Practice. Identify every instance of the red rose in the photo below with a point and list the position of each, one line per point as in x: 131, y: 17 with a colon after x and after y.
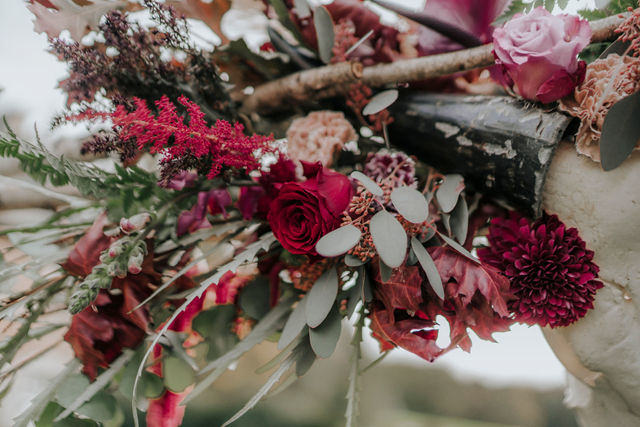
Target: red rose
x: 303, y: 212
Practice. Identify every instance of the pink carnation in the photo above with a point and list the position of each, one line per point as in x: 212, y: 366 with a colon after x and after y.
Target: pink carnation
x: 319, y: 136
x: 537, y: 54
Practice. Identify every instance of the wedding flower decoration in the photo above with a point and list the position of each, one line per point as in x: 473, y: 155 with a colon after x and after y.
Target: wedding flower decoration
x: 552, y: 273
x: 319, y: 137
x: 592, y: 100
x: 537, y: 53
x: 303, y: 212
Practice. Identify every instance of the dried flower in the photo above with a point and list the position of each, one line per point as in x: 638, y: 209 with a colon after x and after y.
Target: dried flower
x: 552, y: 273
x: 629, y: 31
x: 383, y: 164
x: 592, y: 100
x: 319, y: 136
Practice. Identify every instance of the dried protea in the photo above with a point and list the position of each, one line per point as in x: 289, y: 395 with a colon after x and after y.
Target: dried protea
x: 394, y: 165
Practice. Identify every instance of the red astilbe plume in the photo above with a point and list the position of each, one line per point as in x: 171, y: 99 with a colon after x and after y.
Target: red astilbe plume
x: 192, y: 144
x: 552, y: 273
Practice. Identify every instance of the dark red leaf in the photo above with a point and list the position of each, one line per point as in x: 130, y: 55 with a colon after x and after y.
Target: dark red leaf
x: 86, y: 252
x: 401, y: 291
x: 465, y: 278
x: 410, y: 333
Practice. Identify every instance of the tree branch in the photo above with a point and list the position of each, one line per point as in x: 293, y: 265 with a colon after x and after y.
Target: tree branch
x: 333, y: 80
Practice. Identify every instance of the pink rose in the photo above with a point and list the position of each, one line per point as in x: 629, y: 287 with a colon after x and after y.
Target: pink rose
x: 537, y: 54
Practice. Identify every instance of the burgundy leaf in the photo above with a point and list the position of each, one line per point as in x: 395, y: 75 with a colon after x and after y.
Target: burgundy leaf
x: 86, y: 252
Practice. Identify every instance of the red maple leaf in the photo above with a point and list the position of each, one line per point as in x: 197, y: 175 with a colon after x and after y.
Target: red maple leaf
x: 414, y: 334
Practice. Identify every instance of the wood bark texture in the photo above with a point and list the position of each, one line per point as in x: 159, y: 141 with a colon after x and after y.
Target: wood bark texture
x: 333, y: 80
x: 501, y: 145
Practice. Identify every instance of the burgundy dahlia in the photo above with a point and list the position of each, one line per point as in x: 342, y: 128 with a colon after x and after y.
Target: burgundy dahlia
x: 551, y: 271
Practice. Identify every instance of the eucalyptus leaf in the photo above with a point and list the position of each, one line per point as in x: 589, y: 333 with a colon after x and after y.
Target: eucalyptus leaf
x: 389, y: 238
x: 428, y: 236
x: 455, y: 245
x: 295, y: 324
x: 411, y: 204
x: 380, y: 101
x: 353, y: 261
x: 302, y: 8
x: 428, y: 266
x: 304, y: 358
x: 620, y: 132
x: 325, y: 337
x: 459, y: 220
x: 177, y: 374
x: 324, y: 32
x: 254, y: 298
x: 321, y: 297
x: 385, y: 272
x: 447, y: 194
x: 355, y: 296
x: 339, y: 241
x: 368, y: 183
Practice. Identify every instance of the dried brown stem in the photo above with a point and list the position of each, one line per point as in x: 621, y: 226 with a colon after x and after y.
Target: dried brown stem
x: 333, y: 80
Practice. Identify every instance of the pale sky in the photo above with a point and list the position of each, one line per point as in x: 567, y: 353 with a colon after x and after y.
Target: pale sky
x: 29, y: 76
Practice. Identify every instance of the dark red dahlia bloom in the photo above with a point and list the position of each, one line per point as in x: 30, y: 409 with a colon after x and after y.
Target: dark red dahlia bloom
x: 552, y: 273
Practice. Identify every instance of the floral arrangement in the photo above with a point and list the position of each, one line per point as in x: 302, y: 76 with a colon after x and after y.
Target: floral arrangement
x: 252, y: 229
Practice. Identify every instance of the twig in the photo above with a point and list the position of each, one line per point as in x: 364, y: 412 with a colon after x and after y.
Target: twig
x: 334, y: 80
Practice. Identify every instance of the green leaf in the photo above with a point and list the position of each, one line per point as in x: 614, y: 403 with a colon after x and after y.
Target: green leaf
x: 41, y: 400
x: 380, y: 101
x: 324, y: 32
x: 385, y: 271
x: 87, y: 391
x: 267, y: 326
x: 455, y: 245
x: 339, y: 241
x: 353, y: 261
x: 305, y: 358
x: 325, y: 337
x: 411, y: 204
x: 447, y: 194
x: 389, y: 238
x: 101, y: 407
x: 295, y: 324
x: 620, y: 132
x: 214, y: 321
x: 254, y: 298
x: 459, y: 220
x: 321, y: 297
x: 429, y: 267
x: 152, y: 386
x: 177, y: 374
x: 367, y: 183
x: 302, y: 8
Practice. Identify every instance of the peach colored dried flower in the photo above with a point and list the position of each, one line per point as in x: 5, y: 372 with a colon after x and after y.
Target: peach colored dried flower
x: 319, y: 136
x: 587, y: 105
